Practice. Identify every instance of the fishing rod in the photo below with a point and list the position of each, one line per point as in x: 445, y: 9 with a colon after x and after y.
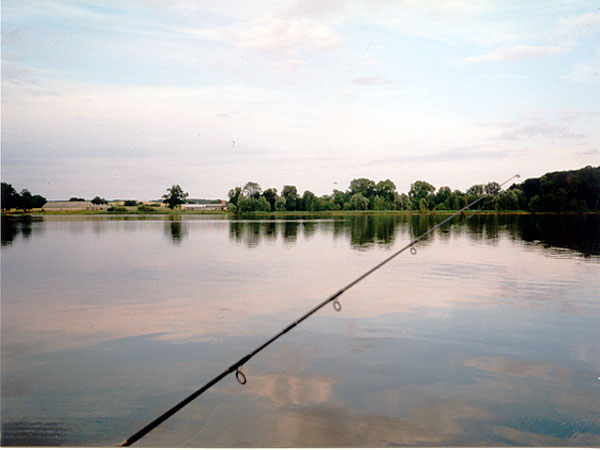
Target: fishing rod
x: 239, y: 375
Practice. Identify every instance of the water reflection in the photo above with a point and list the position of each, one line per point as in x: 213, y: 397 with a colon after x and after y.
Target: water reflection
x: 30, y: 434
x: 486, y: 338
x: 176, y: 229
x: 290, y: 231
x: 290, y: 389
x: 24, y: 226
x: 574, y: 232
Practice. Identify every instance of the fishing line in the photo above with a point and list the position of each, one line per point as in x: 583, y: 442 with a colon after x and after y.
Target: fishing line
x: 237, y: 367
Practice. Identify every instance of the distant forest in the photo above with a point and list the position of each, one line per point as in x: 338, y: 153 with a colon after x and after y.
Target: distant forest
x: 565, y: 191
x: 572, y: 190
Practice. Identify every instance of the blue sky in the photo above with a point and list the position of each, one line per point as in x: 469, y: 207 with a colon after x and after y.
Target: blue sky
x: 124, y: 99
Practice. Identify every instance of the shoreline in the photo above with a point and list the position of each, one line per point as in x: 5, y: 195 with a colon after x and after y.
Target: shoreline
x: 288, y: 213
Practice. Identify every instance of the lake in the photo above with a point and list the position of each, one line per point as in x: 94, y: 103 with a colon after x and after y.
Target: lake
x: 488, y: 336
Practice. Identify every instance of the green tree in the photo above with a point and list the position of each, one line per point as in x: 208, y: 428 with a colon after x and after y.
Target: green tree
x: 458, y: 200
x: 25, y: 200
x: 508, y: 201
x: 442, y: 196
x: 38, y: 201
x: 401, y: 202
x: 492, y: 188
x: 308, y: 201
x: 77, y: 199
x: 386, y: 190
x: 290, y: 193
x: 252, y: 189
x: 587, y: 187
x: 175, y: 196
x: 363, y: 186
x: 245, y: 204
x: 261, y: 204
x: 279, y: 203
x: 324, y: 203
x: 338, y: 198
x: 535, y: 204
x: 97, y: 200
x: 10, y: 197
x: 271, y: 195
x: 359, y: 202
x: 234, y: 195
x: 379, y: 203
x: 419, y: 190
x: 475, y: 191
x: 522, y: 201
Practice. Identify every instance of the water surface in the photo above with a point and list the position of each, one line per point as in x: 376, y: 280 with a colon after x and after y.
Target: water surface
x: 488, y: 336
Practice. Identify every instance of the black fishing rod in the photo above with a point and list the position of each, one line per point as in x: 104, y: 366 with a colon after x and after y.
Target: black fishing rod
x: 336, y: 305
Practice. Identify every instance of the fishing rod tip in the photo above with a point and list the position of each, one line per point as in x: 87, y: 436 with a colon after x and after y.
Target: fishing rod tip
x: 125, y: 443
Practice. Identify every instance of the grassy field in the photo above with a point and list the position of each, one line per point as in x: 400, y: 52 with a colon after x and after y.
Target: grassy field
x: 121, y: 210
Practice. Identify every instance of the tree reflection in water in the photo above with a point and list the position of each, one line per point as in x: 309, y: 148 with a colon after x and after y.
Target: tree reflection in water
x: 578, y: 232
x: 574, y: 232
x: 176, y: 229
x: 25, y: 226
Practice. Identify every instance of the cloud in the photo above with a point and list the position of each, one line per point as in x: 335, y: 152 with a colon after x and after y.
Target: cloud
x: 454, y: 154
x: 587, y: 72
x: 590, y: 152
x: 517, y: 52
x: 580, y: 25
x: 578, y: 114
x: 536, y: 128
x: 566, y: 34
x: 284, y: 389
x: 500, y: 365
x: 540, y: 129
x: 371, y: 81
x: 447, y: 8
x: 277, y: 35
x: 327, y: 425
x: 316, y: 8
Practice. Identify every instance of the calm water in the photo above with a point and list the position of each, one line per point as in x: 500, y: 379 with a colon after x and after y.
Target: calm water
x: 488, y: 336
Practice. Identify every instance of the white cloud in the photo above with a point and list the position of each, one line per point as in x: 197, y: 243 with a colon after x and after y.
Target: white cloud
x: 277, y: 35
x: 590, y: 152
x: 516, y: 52
x: 583, y: 24
x: 532, y: 128
x: 587, y: 72
x: 372, y: 81
x: 449, y: 7
x: 316, y: 8
x: 565, y: 36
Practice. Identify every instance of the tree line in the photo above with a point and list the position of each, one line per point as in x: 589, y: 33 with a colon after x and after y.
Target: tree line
x: 23, y: 200
x: 574, y: 190
x: 11, y: 199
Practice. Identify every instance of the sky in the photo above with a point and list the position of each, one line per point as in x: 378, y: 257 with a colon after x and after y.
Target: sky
x: 123, y: 99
